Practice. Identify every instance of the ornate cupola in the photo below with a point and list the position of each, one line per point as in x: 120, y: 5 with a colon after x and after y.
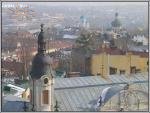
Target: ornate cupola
x: 41, y: 78
x: 116, y: 22
x: 41, y: 64
x: 116, y: 25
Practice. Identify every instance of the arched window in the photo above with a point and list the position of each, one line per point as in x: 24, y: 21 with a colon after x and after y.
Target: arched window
x: 45, y: 97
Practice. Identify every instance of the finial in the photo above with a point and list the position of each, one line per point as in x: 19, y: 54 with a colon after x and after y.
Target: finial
x: 41, y: 41
x: 42, y: 25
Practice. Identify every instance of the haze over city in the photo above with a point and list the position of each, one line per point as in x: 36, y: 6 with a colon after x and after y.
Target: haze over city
x: 75, y: 56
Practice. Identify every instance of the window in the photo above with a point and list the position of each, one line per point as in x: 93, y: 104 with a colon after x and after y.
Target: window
x: 133, y: 69
x: 45, y: 97
x: 137, y: 71
x: 122, y: 71
x: 98, y: 74
x: 113, y: 70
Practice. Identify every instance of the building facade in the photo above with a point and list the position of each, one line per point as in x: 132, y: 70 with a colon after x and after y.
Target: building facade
x: 107, y: 63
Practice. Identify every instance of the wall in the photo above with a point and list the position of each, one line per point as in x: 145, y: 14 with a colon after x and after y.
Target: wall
x: 99, y: 64
x: 121, y: 62
x: 26, y: 94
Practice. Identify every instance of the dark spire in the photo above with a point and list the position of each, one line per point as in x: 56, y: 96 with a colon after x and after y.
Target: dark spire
x: 41, y: 64
x: 116, y: 14
x: 41, y: 42
x: 116, y: 22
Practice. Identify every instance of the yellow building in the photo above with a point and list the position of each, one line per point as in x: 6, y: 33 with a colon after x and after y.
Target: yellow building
x: 109, y: 62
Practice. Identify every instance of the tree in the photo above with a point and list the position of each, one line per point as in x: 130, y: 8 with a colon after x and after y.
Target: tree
x: 85, y: 42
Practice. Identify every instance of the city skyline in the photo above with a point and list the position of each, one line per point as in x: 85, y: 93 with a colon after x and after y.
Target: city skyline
x: 75, y: 56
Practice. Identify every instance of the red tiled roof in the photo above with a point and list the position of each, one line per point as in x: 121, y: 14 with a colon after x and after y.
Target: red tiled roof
x: 111, y: 51
x: 17, y: 67
x: 59, y: 44
x: 142, y: 54
x: 56, y: 44
x: 116, y: 51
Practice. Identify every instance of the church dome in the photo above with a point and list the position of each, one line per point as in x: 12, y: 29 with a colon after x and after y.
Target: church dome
x: 41, y: 65
x: 116, y: 22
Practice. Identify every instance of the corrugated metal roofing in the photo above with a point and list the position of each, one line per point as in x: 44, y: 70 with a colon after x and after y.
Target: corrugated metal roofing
x: 14, y: 106
x: 76, y: 94
x: 89, y: 81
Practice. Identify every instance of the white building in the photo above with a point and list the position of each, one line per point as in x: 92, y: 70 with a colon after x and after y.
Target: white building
x: 141, y: 39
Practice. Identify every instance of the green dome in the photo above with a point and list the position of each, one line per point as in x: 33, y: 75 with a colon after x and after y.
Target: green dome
x: 116, y: 22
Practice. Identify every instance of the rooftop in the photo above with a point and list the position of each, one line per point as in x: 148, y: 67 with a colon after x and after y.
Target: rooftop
x: 76, y: 94
x: 116, y: 51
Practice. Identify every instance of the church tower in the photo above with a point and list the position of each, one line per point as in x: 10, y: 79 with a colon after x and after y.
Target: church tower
x: 41, y: 78
x: 116, y: 24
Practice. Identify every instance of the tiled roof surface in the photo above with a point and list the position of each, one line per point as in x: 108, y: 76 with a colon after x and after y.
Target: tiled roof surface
x: 17, y: 67
x: 112, y: 51
x: 116, y: 51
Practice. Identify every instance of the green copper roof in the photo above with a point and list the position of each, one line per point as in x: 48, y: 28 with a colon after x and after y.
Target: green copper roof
x: 116, y: 22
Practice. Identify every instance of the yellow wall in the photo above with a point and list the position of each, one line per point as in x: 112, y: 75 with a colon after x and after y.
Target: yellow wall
x: 121, y: 62
x: 99, y: 64
x: 26, y: 94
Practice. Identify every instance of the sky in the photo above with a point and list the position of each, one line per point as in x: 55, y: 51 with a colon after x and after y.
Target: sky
x: 82, y: 3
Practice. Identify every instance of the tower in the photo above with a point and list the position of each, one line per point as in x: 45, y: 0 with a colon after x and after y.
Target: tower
x: 83, y: 22
x: 116, y: 23
x: 41, y: 78
x: 18, y: 51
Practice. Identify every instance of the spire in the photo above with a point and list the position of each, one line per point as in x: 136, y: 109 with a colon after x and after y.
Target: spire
x: 42, y: 25
x: 116, y: 14
x: 41, y: 42
x: 116, y: 22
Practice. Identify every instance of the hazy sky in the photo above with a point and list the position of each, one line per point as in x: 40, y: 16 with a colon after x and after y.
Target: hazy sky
x: 83, y: 3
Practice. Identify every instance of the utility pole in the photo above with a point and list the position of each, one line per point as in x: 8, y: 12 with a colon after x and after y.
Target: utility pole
x: 138, y: 104
x: 56, y: 106
x: 102, y: 62
x: 130, y: 62
x: 119, y: 101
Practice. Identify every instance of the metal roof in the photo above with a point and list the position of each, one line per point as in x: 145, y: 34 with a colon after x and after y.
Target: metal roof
x: 77, y: 93
x: 13, y: 98
x: 14, y: 106
x: 90, y: 81
x: 13, y: 103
